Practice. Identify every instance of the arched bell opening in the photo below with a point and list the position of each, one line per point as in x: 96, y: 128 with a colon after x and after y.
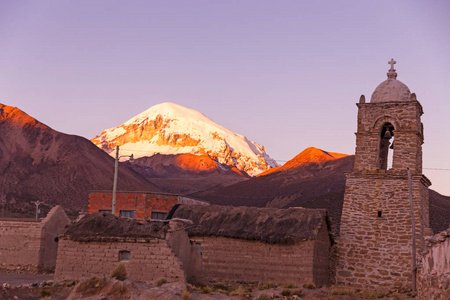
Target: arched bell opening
x: 386, y: 147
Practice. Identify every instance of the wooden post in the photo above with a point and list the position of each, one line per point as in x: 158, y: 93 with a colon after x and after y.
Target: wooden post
x: 413, y: 225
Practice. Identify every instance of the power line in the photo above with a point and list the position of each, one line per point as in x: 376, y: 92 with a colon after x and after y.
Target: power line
x: 278, y: 160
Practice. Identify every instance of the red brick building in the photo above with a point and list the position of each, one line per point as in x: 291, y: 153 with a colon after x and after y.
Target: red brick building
x: 138, y: 205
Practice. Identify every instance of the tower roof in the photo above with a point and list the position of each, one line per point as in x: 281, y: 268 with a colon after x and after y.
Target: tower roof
x: 391, y: 90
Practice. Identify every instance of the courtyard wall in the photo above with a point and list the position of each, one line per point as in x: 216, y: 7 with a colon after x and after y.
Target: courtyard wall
x: 31, y: 245
x: 434, y: 273
x: 149, y: 260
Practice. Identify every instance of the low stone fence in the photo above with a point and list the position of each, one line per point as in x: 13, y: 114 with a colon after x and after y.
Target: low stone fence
x: 434, y: 272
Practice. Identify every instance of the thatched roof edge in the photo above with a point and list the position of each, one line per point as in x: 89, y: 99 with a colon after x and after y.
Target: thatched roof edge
x: 276, y: 226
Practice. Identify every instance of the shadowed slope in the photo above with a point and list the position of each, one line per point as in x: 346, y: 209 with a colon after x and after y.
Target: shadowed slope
x: 313, y: 179
x: 186, y: 173
x: 38, y: 163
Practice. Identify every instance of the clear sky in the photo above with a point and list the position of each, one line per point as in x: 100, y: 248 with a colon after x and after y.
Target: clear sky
x: 286, y: 74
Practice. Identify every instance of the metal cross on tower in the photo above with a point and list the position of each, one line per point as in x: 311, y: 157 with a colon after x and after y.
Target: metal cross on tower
x: 392, y: 62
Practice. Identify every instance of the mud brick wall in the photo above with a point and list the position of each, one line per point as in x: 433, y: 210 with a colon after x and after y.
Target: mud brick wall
x: 433, y: 280
x: 31, y: 245
x: 253, y: 261
x: 53, y: 225
x: 376, y: 251
x: 20, y: 243
x: 142, y: 203
x: 149, y: 260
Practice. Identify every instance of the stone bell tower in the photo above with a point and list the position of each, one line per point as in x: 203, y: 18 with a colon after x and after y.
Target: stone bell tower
x: 375, y: 243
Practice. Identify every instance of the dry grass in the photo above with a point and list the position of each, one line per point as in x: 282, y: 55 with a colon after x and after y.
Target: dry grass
x: 339, y: 290
x: 286, y: 293
x: 118, y: 290
x: 186, y: 295
x: 371, y: 294
x: 206, y: 290
x: 161, y: 281
x: 309, y: 286
x: 297, y: 292
x: 288, y: 285
x: 119, y: 272
x: 269, y: 285
x: 92, y: 286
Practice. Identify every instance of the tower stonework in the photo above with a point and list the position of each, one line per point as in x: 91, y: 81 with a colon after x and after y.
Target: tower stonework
x: 375, y: 243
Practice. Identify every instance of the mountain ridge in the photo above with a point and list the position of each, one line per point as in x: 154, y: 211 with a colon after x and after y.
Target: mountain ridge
x: 169, y: 128
x: 38, y: 163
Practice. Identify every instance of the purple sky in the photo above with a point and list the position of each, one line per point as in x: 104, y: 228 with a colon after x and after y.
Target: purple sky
x: 286, y: 74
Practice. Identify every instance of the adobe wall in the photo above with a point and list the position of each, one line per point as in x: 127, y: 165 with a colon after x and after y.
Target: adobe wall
x: 31, y: 244
x: 20, y: 242
x: 433, y: 281
x: 53, y: 225
x: 376, y: 251
x: 321, y: 258
x: 149, y: 260
x: 254, y: 261
x: 187, y: 251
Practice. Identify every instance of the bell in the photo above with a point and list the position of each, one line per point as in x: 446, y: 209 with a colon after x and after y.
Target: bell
x: 387, y: 135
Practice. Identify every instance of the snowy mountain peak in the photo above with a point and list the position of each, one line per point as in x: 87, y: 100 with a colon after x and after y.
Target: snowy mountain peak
x: 169, y: 128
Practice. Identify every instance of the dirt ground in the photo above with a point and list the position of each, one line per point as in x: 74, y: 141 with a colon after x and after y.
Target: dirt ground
x: 15, y: 279
x: 26, y: 286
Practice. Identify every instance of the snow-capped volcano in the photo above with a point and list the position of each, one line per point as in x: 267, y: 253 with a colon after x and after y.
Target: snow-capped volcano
x: 169, y: 128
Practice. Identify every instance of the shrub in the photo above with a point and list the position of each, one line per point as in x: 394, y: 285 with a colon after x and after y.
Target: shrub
x: 45, y: 292
x: 372, y: 294
x: 309, y: 285
x: 339, y: 290
x: 206, y: 290
x: 240, y: 291
x: 186, y: 295
x: 269, y: 285
x: 221, y: 288
x: 288, y: 285
x: 286, y: 293
x: 119, y: 272
x: 161, y: 281
x: 297, y: 292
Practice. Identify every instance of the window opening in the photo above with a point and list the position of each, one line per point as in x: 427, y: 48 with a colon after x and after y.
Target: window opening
x: 379, y: 214
x: 159, y: 215
x: 385, y: 150
x: 124, y: 255
x: 127, y: 214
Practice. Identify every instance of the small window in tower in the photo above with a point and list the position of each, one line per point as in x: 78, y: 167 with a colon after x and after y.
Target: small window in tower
x: 379, y: 214
x: 124, y: 255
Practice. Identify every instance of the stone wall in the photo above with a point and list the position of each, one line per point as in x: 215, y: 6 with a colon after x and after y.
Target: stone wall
x: 433, y: 280
x: 148, y: 261
x: 408, y: 135
x: 20, y: 242
x: 31, y: 244
x: 254, y: 261
x: 375, y: 250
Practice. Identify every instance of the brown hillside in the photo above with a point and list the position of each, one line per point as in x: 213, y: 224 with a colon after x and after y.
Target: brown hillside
x: 309, y: 184
x: 38, y: 163
x: 307, y: 156
x: 186, y: 173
